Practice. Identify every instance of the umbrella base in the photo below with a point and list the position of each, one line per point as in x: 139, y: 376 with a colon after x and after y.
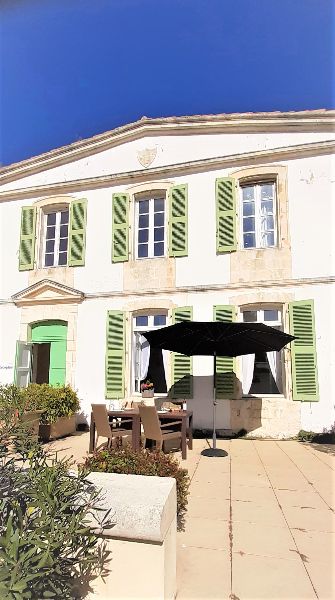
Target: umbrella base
x: 214, y: 452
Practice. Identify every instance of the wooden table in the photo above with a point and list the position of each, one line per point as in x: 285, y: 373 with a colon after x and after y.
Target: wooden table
x: 185, y: 416
x: 123, y: 415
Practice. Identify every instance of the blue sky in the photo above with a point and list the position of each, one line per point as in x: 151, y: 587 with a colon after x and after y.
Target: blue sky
x: 74, y: 68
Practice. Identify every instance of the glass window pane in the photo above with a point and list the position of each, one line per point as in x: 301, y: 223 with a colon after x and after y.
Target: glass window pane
x: 51, y: 219
x: 268, y: 239
x: 142, y: 250
x: 143, y: 206
x: 159, y: 234
x: 159, y: 249
x: 49, y: 260
x: 269, y: 223
x: 64, y: 217
x: 63, y: 231
x: 159, y: 219
x: 248, y: 193
x: 249, y: 240
x: 50, y: 233
x: 50, y: 245
x: 248, y: 209
x: 142, y: 321
x: 271, y: 315
x: 249, y: 224
x: 62, y: 259
x: 159, y: 320
x: 143, y: 221
x: 267, y: 190
x: 159, y: 204
x: 143, y: 235
x: 63, y: 244
x: 267, y: 207
x: 250, y: 316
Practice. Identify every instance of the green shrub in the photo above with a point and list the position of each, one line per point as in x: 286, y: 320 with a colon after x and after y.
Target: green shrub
x: 126, y: 460
x: 56, y: 402
x: 47, y: 547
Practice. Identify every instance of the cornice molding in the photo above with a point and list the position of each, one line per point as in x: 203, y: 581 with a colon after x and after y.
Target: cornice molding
x: 195, y: 166
x: 314, y: 120
x: 201, y: 289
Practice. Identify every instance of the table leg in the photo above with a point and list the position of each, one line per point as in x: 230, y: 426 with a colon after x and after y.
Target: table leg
x: 183, y: 438
x: 190, y: 432
x: 92, y: 434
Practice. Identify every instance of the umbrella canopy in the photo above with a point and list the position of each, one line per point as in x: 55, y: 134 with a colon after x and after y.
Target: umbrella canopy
x: 217, y: 338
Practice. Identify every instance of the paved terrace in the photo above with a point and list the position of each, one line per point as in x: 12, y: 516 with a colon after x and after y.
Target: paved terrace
x: 260, y: 521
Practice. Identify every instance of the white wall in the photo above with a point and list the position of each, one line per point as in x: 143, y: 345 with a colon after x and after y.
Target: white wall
x: 11, y: 279
x: 9, y: 333
x: 311, y: 192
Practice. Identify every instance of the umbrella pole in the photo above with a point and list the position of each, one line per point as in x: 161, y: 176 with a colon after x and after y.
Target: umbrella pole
x: 214, y: 405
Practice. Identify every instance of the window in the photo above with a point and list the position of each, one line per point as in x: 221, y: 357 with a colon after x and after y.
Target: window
x: 55, y: 238
x: 258, y: 215
x: 262, y: 372
x: 150, y: 227
x: 148, y: 363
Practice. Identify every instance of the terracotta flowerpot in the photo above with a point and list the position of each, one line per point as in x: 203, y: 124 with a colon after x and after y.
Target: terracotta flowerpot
x: 148, y: 393
x: 64, y: 426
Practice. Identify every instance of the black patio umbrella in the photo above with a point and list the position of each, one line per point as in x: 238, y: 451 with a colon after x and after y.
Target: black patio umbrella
x: 217, y: 338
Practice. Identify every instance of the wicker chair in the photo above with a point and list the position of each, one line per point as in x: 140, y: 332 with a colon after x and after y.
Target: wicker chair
x: 105, y: 428
x: 154, y: 430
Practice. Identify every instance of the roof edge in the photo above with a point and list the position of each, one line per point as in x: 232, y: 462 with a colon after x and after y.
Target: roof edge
x: 100, y: 142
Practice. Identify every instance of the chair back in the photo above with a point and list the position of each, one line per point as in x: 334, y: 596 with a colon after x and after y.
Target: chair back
x: 150, y: 421
x: 101, y: 420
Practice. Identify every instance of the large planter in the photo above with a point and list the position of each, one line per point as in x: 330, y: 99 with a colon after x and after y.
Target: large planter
x: 32, y: 420
x: 64, y: 426
x: 148, y: 393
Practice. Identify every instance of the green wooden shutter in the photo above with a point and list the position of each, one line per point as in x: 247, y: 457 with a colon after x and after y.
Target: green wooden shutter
x: 182, y: 366
x: 225, y: 214
x: 303, y: 351
x: 115, y: 354
x: 225, y: 365
x: 178, y: 211
x: 120, y: 227
x: 77, y: 233
x: 27, y: 238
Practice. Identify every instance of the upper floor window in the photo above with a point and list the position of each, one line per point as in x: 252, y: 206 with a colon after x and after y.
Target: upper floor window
x: 262, y: 372
x: 150, y: 231
x: 258, y: 215
x: 55, y: 233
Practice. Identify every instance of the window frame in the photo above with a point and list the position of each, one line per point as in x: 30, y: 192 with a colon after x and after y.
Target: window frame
x: 151, y: 196
x: 259, y: 309
x: 257, y: 183
x: 44, y: 212
x: 150, y: 313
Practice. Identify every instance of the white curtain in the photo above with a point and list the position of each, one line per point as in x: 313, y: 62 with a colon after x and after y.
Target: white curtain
x: 165, y: 354
x: 275, y: 369
x: 145, y: 357
x: 248, y: 362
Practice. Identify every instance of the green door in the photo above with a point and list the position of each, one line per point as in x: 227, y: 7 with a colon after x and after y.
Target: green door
x: 55, y: 333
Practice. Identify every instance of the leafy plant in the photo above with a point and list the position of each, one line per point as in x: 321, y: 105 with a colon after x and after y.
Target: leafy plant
x: 126, y: 460
x: 147, y: 385
x: 47, y: 546
x: 56, y: 402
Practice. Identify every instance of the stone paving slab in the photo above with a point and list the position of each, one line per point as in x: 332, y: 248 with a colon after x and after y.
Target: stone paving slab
x: 260, y: 522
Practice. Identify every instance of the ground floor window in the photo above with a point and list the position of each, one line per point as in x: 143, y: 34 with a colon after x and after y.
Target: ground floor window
x: 262, y: 372
x: 148, y: 363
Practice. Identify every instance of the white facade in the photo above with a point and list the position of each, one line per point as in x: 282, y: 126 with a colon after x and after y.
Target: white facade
x: 293, y: 151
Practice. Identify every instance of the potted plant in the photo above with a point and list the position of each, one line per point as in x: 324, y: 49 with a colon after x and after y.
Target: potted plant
x: 147, y: 389
x: 13, y: 402
x: 58, y: 405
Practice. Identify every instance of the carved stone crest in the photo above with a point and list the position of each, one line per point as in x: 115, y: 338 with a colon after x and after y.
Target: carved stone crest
x: 147, y: 156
